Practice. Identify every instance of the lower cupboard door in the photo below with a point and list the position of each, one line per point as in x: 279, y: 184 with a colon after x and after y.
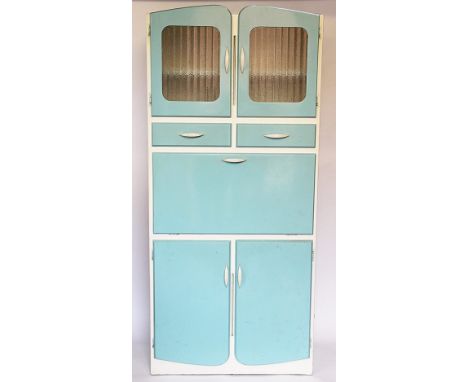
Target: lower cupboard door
x: 191, y: 301
x: 273, y: 301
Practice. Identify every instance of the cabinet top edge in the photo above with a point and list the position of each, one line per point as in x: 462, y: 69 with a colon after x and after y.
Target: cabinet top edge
x: 236, y: 14
x: 279, y: 9
x: 191, y: 7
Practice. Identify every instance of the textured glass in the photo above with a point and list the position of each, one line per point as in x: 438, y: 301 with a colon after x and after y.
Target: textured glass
x: 278, y: 64
x: 190, y: 63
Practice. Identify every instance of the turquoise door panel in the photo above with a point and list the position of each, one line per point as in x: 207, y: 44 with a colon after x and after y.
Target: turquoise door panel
x: 249, y: 135
x: 265, y: 16
x: 209, y: 15
x: 273, y: 301
x: 191, y: 134
x: 191, y: 301
x: 265, y: 194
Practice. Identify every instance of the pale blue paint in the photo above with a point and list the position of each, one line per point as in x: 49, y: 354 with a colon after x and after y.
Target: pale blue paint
x: 191, y: 301
x: 249, y: 135
x: 267, y: 194
x: 255, y: 16
x: 206, y: 15
x: 273, y: 302
x: 214, y: 134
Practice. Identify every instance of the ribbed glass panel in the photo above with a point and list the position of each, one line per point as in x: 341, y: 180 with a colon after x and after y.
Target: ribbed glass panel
x: 190, y: 63
x: 278, y: 64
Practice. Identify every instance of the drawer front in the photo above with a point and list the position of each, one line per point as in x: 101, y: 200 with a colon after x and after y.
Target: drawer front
x: 250, y: 135
x: 265, y: 194
x: 191, y: 134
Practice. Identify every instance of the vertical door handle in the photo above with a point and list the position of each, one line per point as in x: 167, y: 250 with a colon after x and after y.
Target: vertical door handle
x: 226, y: 276
x: 242, y: 60
x: 239, y: 276
x: 226, y: 60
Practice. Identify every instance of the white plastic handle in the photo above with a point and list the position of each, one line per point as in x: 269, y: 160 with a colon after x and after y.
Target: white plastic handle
x: 242, y: 60
x: 276, y: 136
x: 226, y: 60
x: 226, y: 276
x: 239, y: 276
x: 191, y: 135
x: 234, y: 160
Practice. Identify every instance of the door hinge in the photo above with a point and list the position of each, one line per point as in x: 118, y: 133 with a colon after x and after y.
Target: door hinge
x: 316, y: 101
x: 149, y: 30
x: 150, y: 99
x: 152, y: 343
x: 152, y: 254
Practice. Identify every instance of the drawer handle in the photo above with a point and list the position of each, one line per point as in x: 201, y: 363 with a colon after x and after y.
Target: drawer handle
x: 276, y: 136
x: 226, y: 60
x: 226, y: 276
x: 242, y: 60
x: 234, y: 160
x: 191, y: 135
x: 239, y: 276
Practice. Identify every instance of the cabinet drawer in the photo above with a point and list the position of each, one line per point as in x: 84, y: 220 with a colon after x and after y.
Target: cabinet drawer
x: 264, y: 194
x: 249, y: 135
x: 191, y: 134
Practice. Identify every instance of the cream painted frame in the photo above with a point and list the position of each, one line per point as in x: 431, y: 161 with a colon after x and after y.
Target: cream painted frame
x: 232, y: 366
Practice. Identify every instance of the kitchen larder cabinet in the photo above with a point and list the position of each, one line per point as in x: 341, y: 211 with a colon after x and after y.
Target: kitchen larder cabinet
x: 233, y: 149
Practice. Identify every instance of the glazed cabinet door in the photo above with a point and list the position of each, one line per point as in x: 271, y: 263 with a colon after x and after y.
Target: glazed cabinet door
x: 191, y: 61
x: 277, y: 55
x: 191, y: 301
x: 273, y: 301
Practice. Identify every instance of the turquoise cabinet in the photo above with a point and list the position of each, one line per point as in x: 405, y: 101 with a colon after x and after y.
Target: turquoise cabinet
x: 278, y: 60
x: 273, y: 301
x: 191, y: 61
x: 233, y: 193
x: 191, y: 301
x: 233, y: 131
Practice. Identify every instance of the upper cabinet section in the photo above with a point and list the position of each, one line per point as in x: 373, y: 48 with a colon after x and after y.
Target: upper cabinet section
x: 278, y: 55
x: 191, y: 62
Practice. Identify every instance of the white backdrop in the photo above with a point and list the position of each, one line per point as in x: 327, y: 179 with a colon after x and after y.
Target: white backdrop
x: 325, y: 260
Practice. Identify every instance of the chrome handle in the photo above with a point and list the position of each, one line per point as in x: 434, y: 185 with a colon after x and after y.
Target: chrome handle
x: 233, y: 285
x: 226, y: 276
x: 276, y: 136
x: 239, y: 276
x: 191, y: 135
x: 234, y: 160
x: 242, y: 60
x: 234, y: 69
x: 226, y: 60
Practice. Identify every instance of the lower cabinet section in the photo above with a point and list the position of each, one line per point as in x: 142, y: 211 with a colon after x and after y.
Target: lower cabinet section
x: 192, y: 304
